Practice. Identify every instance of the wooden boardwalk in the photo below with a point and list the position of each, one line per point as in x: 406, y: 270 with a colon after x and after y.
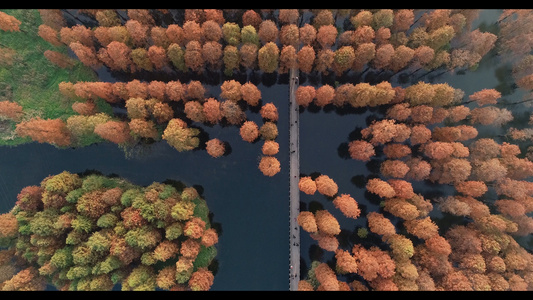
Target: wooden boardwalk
x: 294, y: 191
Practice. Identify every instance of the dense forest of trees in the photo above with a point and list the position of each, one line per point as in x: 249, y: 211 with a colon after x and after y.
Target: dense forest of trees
x: 91, y: 232
x: 353, y: 60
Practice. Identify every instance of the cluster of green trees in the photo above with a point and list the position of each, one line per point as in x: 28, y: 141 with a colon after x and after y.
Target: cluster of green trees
x: 92, y: 232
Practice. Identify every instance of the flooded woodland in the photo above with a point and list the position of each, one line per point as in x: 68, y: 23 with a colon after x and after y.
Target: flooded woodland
x: 148, y: 149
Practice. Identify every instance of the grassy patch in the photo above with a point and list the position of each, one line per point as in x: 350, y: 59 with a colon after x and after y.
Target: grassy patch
x: 31, y: 80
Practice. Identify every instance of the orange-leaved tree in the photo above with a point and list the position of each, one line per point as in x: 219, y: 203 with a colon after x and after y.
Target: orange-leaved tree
x: 53, y: 131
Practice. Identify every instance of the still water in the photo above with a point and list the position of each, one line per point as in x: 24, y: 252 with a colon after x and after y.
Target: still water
x: 249, y: 210
x: 325, y: 133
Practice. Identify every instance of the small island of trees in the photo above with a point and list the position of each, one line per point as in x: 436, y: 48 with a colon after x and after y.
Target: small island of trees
x: 90, y: 233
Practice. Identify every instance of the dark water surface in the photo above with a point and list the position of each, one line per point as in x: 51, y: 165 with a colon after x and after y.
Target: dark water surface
x: 250, y: 210
x: 325, y: 133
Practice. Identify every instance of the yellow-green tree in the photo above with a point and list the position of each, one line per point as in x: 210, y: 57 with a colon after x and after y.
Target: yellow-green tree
x: 179, y: 136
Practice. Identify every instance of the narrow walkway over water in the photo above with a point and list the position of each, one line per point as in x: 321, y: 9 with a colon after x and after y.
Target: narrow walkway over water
x: 294, y: 192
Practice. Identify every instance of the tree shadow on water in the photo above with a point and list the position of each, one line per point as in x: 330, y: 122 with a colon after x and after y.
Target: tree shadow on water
x: 269, y: 79
x: 343, y: 152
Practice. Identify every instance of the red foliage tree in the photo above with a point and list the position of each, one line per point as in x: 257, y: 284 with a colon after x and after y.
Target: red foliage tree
x: 305, y: 95
x: 361, y: 150
x: 175, y: 34
x: 201, y: 280
x: 232, y: 112
x: 290, y: 35
x: 27, y: 279
x: 193, y: 56
x: 347, y: 205
x: 138, y: 32
x: 215, y: 147
x: 212, y: 54
x: 345, y: 262
x: 251, y: 17
x: 270, y: 147
x: 53, y: 131
x: 401, y: 208
x: 384, y: 131
x: 326, y: 277
x: 307, y: 221
x: 326, y: 186
x: 326, y: 35
x: 399, y: 112
x: 306, y: 58
x: 192, y: 31
x: 383, y: 57
x: 395, y: 151
x: 29, y: 198
x: 194, y: 111
x: 115, y: 131
x: 288, y: 16
x: 402, y: 189
x: 486, y: 96
x: 307, y: 185
x: 324, y: 95
x: 249, y: 131
x: 116, y: 56
x: 307, y: 34
x: 143, y: 128
x: 10, y: 110
x: 212, y: 110
x: 78, y: 33
x: 324, y: 60
x: 364, y: 53
x: 403, y: 19
x: 380, y: 188
x: 86, y: 55
x: 367, y: 263
x: 269, y: 166
x: 49, y: 34
x: 246, y: 56
x: 231, y: 90
x: 451, y: 170
x: 269, y: 112
x: 195, y: 91
x: 420, y: 134
x: 488, y: 170
x: 490, y: 115
x: 158, y: 56
x: 471, y: 188
x: 327, y: 223
x: 287, y: 59
x: 380, y: 225
x: 59, y: 59
x: 394, y: 168
x: 423, y: 228
x: 268, y: 32
x: 53, y: 18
